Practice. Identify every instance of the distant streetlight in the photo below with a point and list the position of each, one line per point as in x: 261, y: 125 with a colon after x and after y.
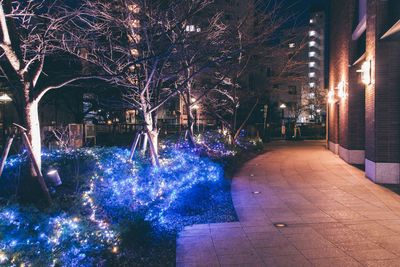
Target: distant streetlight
x: 4, y: 98
x: 282, y: 107
x: 195, y: 108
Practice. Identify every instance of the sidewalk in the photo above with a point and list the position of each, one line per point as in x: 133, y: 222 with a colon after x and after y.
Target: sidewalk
x: 334, y: 215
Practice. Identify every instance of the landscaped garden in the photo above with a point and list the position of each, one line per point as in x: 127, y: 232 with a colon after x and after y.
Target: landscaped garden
x: 112, y: 211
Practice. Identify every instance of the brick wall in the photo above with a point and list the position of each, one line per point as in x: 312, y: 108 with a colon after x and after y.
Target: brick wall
x: 338, y: 55
x: 383, y: 95
x: 350, y: 133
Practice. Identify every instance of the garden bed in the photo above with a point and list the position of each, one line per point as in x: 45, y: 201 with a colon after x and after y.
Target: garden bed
x: 110, y: 211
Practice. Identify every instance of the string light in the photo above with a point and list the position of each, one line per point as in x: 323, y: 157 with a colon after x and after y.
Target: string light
x: 116, y: 190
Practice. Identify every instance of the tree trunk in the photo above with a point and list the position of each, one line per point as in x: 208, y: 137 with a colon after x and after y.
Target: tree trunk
x: 33, y: 127
x: 190, y: 126
x: 153, y: 132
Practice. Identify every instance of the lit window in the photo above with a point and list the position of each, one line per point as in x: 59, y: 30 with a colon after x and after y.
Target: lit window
x: 311, y: 74
x: 134, y: 52
x: 135, y: 8
x: 135, y: 23
x: 312, y: 33
x: 311, y: 117
x: 312, y: 54
x: 312, y: 106
x: 292, y: 45
x: 312, y: 95
x: 312, y: 43
x: 190, y: 28
x: 311, y: 64
x: 312, y: 85
x: 135, y: 38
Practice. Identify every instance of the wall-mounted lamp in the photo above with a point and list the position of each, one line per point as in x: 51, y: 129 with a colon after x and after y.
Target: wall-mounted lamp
x: 342, y: 89
x: 331, y: 96
x: 365, y: 72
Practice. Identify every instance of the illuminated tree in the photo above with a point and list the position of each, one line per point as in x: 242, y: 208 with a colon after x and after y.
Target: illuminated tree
x: 203, y: 45
x: 140, y: 44
x: 29, y: 33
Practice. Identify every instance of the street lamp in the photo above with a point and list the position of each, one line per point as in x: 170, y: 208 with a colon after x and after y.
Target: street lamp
x: 4, y: 98
x: 196, y: 119
x: 282, y: 107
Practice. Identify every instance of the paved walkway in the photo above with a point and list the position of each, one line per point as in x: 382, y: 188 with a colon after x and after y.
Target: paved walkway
x: 334, y: 215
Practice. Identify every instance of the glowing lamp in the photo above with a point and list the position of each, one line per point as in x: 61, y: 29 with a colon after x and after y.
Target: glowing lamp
x: 365, y: 72
x: 54, y: 177
x: 331, y: 96
x: 341, y: 89
x: 282, y: 106
x: 5, y: 98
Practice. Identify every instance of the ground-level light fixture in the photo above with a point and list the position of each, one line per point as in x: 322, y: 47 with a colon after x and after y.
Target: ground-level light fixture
x: 280, y: 225
x: 256, y: 192
x: 54, y: 177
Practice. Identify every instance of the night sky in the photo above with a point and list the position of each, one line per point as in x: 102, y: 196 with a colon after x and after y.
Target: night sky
x: 300, y: 8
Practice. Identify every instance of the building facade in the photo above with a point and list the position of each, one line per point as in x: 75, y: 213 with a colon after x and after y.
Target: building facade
x: 313, y: 95
x: 364, y: 86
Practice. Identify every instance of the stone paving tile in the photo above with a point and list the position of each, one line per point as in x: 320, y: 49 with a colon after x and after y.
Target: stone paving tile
x: 197, y: 264
x: 285, y: 261
x: 285, y: 250
x: 242, y: 259
x: 334, y: 215
x: 330, y: 262
x: 383, y: 263
x: 375, y: 254
x: 319, y: 253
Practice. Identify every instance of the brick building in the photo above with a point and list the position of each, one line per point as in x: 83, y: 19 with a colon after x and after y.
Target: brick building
x: 364, y: 85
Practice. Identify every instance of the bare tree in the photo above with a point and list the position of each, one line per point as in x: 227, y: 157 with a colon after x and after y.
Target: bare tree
x: 29, y: 33
x: 257, y: 36
x: 141, y: 44
x: 204, y: 43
